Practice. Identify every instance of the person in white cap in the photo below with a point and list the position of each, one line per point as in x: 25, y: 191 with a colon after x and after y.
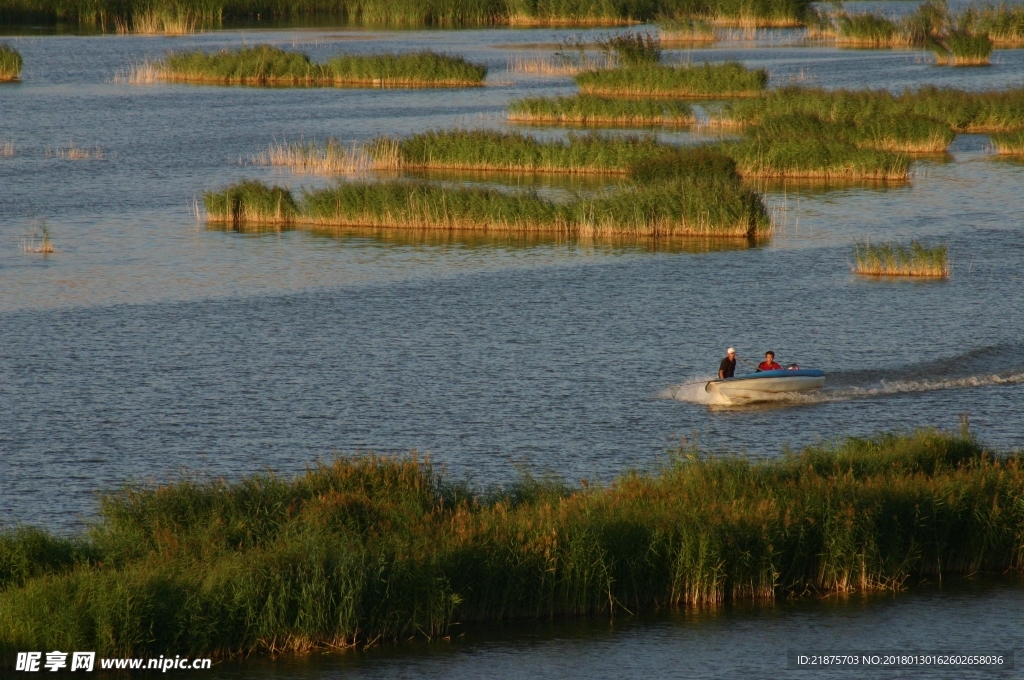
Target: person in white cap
x: 727, y: 368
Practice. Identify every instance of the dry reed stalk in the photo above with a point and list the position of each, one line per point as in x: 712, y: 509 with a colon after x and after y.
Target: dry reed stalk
x: 894, y: 260
x: 645, y: 93
x: 329, y: 159
x: 6, y: 149
x: 75, y: 153
x: 963, y: 60
x: 552, y: 66
x: 751, y: 22
x: 146, y: 73
x: 935, y: 144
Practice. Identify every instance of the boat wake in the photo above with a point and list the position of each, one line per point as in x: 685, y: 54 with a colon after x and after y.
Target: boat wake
x: 694, y: 391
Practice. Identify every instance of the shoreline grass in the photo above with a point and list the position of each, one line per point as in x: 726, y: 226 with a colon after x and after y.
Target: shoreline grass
x: 268, y: 65
x: 589, y: 109
x: 10, y: 63
x: 367, y: 549
x: 1008, y: 143
x: 892, y: 259
x: 187, y: 14
x: 727, y: 79
x: 869, y: 30
x: 676, y: 192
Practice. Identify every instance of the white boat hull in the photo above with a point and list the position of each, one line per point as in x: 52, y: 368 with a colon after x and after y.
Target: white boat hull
x: 755, y: 388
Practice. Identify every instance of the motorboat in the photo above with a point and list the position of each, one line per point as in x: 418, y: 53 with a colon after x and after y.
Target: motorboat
x: 766, y: 385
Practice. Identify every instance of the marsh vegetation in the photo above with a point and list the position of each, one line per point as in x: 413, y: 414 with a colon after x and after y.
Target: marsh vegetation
x: 893, y: 259
x: 367, y: 549
x: 593, y: 110
x: 135, y: 15
x: 10, y: 63
x: 707, y: 80
x: 269, y: 65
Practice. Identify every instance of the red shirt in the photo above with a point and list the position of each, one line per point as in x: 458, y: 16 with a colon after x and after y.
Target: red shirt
x: 768, y: 366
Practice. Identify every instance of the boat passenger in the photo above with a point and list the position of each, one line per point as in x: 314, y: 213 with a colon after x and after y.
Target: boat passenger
x: 769, y: 363
x: 727, y: 368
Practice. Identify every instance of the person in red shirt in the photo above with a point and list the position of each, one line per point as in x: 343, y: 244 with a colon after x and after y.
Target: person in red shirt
x: 769, y: 363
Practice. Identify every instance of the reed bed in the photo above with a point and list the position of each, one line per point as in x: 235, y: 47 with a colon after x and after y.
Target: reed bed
x: 553, y: 66
x: 10, y: 63
x: 692, y: 192
x: 960, y: 48
x: 685, y: 31
x: 807, y: 147
x: 891, y: 259
x: 1009, y: 143
x: 986, y: 111
x: 870, y: 30
x: 108, y: 14
x: 514, y: 151
x: 592, y: 110
x: 329, y: 158
x: 1004, y: 25
x: 268, y: 65
x: 728, y: 79
x: 366, y: 549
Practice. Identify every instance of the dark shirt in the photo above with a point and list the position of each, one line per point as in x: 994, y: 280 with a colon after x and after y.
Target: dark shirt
x: 727, y: 368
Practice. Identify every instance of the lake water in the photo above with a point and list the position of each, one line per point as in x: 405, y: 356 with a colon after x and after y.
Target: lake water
x: 148, y: 344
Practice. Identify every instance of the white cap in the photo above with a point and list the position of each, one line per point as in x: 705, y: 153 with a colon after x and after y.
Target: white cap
x: 731, y: 350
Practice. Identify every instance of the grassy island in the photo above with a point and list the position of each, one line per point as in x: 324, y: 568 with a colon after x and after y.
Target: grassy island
x: 1009, y: 143
x: 683, y: 207
x: 268, y: 65
x: 667, y: 192
x: 962, y: 111
x: 363, y: 549
x: 590, y: 110
x: 729, y: 79
x: 10, y: 63
x: 811, y: 148
x: 890, y: 259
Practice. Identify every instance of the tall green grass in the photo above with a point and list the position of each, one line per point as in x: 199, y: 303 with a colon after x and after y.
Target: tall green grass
x: 10, y: 63
x: 728, y: 79
x: 514, y: 151
x: 680, y: 202
x: 869, y: 30
x: 1009, y: 143
x: 1004, y: 25
x: 366, y: 549
x: 802, y: 146
x: 591, y: 110
x: 960, y: 48
x: 893, y: 259
x: 108, y: 14
x: 985, y: 111
x: 268, y: 65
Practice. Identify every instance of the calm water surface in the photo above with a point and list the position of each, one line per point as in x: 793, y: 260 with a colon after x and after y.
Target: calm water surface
x: 148, y: 343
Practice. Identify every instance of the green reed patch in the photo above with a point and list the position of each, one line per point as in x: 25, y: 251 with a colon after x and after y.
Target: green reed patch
x: 869, y: 30
x: 268, y: 65
x: 803, y: 146
x: 10, y: 63
x: 364, y: 549
x: 679, y: 204
x: 727, y: 79
x: 985, y: 111
x: 1009, y: 143
x: 1004, y: 25
x: 115, y: 14
x: 960, y: 48
x: 591, y: 110
x: 514, y: 151
x: 892, y: 259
